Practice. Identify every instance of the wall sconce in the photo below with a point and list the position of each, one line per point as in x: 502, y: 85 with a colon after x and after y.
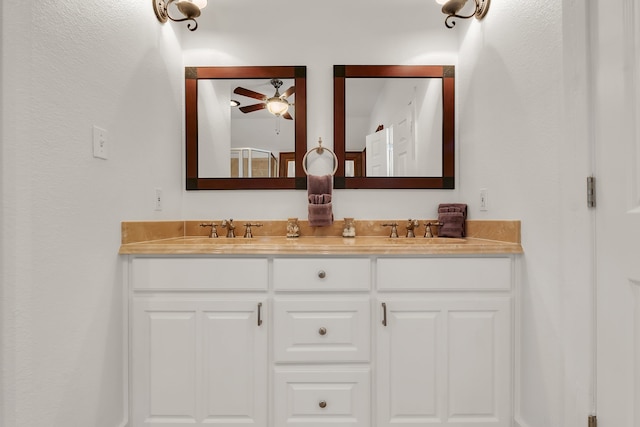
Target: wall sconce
x: 190, y: 9
x: 452, y: 7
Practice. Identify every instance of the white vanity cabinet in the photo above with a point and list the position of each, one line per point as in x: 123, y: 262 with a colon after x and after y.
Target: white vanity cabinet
x: 198, y: 347
x: 444, y: 346
x: 321, y: 340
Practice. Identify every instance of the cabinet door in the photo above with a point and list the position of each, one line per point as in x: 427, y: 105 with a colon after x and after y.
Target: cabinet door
x: 444, y: 362
x: 198, y: 362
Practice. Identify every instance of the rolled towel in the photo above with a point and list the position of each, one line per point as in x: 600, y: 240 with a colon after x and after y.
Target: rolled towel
x: 319, y: 199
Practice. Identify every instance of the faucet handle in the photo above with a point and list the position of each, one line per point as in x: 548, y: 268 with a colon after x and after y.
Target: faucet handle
x: 413, y: 224
x: 394, y: 229
x: 247, y: 230
x: 427, y: 232
x: 214, y: 231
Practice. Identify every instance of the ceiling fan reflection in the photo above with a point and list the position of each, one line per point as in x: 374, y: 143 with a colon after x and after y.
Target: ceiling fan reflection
x: 278, y: 105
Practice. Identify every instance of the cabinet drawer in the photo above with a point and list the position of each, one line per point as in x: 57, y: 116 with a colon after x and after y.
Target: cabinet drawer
x: 236, y: 274
x: 444, y: 274
x: 321, y: 330
x: 339, y: 398
x: 320, y: 274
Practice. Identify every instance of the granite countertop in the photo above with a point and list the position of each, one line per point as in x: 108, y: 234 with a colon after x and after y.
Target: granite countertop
x: 188, y: 237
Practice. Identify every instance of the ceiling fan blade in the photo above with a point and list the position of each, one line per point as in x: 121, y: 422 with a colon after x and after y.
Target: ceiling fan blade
x: 287, y: 116
x: 249, y: 93
x: 289, y: 92
x: 254, y: 107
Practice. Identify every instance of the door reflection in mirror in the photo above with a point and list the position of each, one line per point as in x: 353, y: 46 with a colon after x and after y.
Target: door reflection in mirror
x: 396, y: 123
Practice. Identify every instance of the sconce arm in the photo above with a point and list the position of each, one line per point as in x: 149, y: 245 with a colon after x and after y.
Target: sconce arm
x: 195, y: 23
x: 452, y: 7
x: 453, y: 23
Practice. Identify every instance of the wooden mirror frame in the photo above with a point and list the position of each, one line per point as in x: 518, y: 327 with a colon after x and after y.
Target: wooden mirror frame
x: 444, y: 72
x: 192, y: 75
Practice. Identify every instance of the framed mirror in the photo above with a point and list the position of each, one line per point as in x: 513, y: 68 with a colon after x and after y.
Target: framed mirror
x: 394, y: 126
x: 241, y: 123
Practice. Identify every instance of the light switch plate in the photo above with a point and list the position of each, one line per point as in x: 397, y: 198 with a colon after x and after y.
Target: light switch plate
x: 100, y: 143
x: 157, y: 199
x: 484, y: 199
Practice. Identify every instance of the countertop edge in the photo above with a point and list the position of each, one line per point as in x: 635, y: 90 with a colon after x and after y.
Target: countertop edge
x: 177, y: 247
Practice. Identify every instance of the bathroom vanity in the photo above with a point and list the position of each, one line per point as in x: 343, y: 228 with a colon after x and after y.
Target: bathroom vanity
x: 320, y: 330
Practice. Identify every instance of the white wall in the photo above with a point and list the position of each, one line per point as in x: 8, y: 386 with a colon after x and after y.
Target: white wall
x: 523, y: 127
x: 3, y: 395
x: 71, y: 64
x: 68, y: 65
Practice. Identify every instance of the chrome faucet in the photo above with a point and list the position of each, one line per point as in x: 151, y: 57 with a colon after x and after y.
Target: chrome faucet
x: 394, y: 229
x: 413, y: 224
x: 214, y: 232
x: 230, y: 227
x: 247, y: 230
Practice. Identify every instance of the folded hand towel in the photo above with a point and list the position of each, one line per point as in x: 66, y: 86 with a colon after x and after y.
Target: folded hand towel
x: 319, y: 184
x: 320, y: 215
x: 452, y: 217
x: 453, y: 207
x: 319, y: 190
x: 451, y: 224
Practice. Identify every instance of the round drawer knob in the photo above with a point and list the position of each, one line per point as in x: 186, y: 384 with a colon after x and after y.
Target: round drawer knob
x: 322, y: 404
x: 322, y: 274
x: 322, y: 331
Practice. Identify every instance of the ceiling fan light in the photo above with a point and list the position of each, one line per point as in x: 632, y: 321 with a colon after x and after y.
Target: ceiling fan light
x: 277, y: 106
